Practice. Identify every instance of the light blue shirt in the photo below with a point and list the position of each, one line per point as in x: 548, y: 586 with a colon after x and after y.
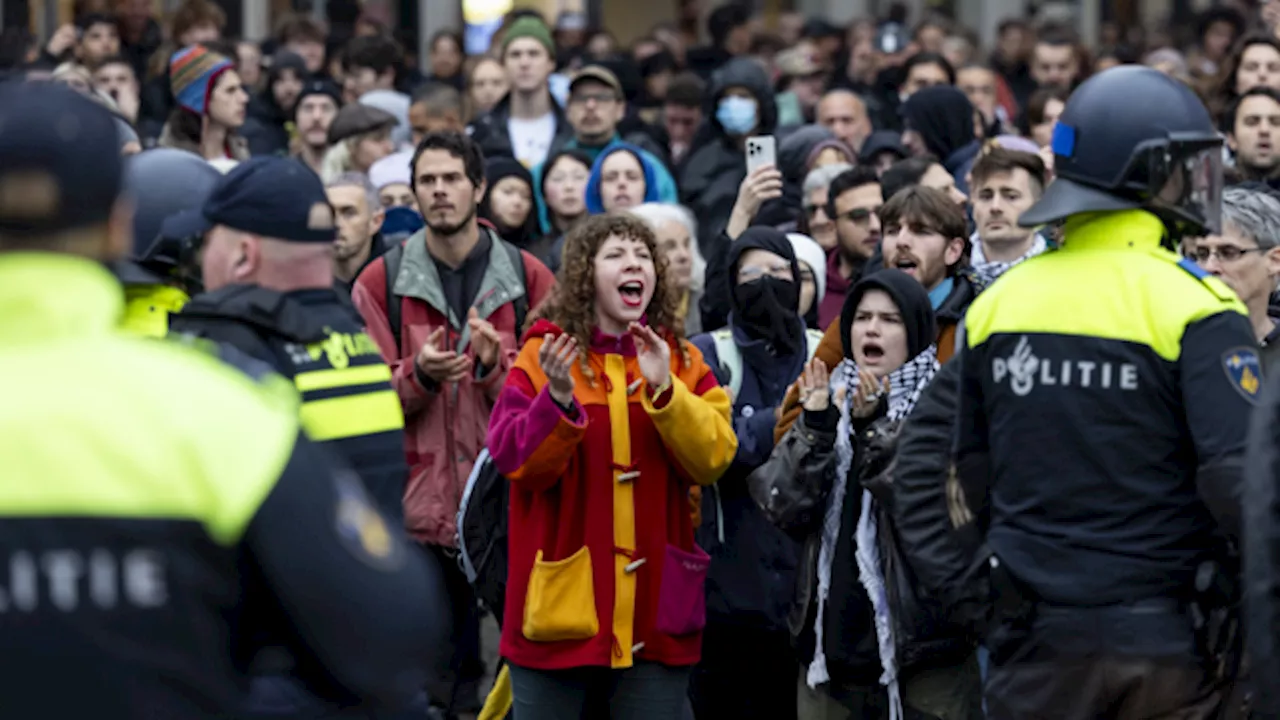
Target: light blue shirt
x: 939, y: 295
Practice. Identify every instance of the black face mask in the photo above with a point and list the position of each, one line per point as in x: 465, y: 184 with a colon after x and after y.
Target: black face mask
x: 766, y: 309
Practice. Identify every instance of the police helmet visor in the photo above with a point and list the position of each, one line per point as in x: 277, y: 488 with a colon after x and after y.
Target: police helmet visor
x: 1197, y: 189
x: 1181, y: 175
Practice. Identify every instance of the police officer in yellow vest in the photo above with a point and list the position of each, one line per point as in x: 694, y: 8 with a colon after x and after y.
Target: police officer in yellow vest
x: 267, y: 266
x: 156, y: 500
x: 162, y: 183
x: 267, y: 269
x: 1105, y: 394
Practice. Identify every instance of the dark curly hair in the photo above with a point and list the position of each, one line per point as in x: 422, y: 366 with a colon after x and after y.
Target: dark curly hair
x: 459, y: 145
x: 572, y: 305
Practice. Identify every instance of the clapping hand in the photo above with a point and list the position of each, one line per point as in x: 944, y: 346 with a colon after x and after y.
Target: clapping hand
x: 484, y: 338
x: 867, y: 396
x: 815, y: 393
x: 653, y: 354
x: 440, y: 364
x: 556, y: 357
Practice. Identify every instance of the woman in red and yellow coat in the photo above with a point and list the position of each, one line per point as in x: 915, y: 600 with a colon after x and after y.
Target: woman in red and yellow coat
x: 607, y: 419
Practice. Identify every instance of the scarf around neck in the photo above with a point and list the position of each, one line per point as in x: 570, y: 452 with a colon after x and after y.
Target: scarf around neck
x: 988, y: 271
x: 905, y: 387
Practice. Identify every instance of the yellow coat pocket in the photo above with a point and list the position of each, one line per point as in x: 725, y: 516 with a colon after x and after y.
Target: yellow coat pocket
x: 561, y: 600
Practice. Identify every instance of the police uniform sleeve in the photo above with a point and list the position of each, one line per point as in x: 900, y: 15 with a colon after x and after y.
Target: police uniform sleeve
x: 1220, y: 376
x: 1261, y: 545
x: 366, y: 609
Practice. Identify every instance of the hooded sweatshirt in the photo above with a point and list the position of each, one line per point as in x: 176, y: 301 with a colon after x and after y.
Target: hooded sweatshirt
x: 752, y: 574
x: 267, y: 127
x: 944, y: 118
x: 715, y: 169
x: 849, y: 639
x: 595, y: 203
x: 526, y: 236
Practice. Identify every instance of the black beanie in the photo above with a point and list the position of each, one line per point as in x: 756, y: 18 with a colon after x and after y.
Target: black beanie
x: 912, y: 301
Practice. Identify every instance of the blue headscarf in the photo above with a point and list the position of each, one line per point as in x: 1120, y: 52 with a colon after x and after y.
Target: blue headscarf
x: 595, y: 205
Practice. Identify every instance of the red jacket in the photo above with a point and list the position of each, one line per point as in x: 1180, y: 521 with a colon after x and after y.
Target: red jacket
x: 444, y: 426
x: 602, y: 564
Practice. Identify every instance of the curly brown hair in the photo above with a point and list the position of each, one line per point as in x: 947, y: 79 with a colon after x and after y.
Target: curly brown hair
x: 572, y: 305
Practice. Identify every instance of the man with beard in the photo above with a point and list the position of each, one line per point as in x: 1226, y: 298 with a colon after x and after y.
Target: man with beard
x: 1254, y: 122
x: 854, y: 199
x: 317, y: 106
x: 446, y: 309
x: 359, y: 216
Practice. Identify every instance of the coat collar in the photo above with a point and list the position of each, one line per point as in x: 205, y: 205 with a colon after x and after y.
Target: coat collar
x: 419, y: 278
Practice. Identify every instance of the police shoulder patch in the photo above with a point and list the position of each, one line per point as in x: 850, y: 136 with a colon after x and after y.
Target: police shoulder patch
x: 1215, y: 285
x: 361, y: 528
x: 1244, y: 371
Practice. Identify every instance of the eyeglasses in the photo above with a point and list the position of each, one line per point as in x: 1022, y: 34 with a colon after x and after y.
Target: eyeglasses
x: 1225, y: 253
x: 600, y: 98
x: 747, y: 274
x: 857, y: 215
x: 811, y: 211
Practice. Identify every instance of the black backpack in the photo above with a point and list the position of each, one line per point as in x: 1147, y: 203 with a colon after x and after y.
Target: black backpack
x: 393, y: 257
x: 482, y: 533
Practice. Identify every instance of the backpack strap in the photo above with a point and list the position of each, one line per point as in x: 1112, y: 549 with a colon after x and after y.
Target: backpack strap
x: 520, y: 304
x: 391, y: 260
x: 730, y: 359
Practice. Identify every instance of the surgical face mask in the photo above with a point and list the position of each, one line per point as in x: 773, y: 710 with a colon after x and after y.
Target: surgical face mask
x: 737, y: 115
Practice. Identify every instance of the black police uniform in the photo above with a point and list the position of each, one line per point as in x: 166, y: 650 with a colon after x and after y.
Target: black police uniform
x: 317, y: 340
x: 158, y: 500
x: 1104, y: 393
x: 314, y: 337
x: 1261, y: 543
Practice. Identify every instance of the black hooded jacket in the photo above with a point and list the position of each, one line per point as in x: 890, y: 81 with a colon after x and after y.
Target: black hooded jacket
x: 713, y: 172
x: 265, y: 128
x: 751, y: 580
x: 944, y: 118
x: 526, y: 236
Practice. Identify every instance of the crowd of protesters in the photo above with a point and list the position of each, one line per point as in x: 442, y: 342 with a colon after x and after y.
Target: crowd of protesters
x: 596, y: 290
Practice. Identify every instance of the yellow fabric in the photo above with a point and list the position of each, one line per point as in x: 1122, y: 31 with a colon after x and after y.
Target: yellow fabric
x: 699, y: 434
x: 560, y: 603
x: 1122, y: 286
x: 498, y: 703
x: 624, y: 512
x: 328, y: 379
x: 98, y: 423
x: 352, y: 415
x: 147, y: 309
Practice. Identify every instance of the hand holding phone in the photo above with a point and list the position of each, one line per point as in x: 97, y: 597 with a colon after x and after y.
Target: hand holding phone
x: 762, y: 150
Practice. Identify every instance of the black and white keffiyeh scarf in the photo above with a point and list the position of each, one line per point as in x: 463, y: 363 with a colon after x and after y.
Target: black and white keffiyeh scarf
x: 988, y: 271
x: 906, y: 384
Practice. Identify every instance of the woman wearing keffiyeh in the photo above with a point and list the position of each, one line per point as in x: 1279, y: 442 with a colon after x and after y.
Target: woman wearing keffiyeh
x: 827, y: 481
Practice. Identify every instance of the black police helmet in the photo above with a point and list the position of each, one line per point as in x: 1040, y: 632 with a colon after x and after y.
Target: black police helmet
x: 162, y: 182
x: 1133, y: 137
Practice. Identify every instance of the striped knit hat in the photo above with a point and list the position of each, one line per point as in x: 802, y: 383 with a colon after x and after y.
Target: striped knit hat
x: 192, y: 73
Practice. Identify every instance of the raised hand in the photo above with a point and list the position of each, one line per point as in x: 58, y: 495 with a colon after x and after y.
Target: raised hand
x: 653, y: 354
x: 556, y: 357
x: 763, y: 184
x: 440, y: 364
x: 484, y: 338
x: 867, y: 396
x: 814, y: 385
